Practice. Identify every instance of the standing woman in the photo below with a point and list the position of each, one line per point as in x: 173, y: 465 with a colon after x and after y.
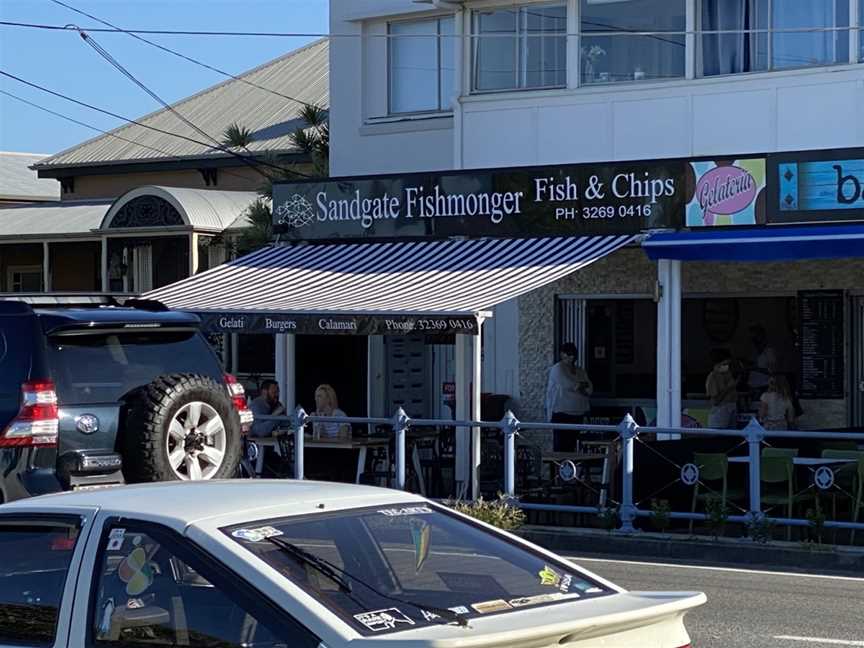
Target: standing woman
x: 326, y: 404
x: 567, y: 396
x: 776, y: 411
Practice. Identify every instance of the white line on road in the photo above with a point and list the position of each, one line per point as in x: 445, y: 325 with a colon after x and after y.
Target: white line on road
x: 818, y: 640
x: 725, y: 569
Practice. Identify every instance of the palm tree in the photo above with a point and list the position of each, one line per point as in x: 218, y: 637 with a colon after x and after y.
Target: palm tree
x: 237, y: 136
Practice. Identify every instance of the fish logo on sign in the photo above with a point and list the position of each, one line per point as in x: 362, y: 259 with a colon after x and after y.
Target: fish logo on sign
x: 295, y: 212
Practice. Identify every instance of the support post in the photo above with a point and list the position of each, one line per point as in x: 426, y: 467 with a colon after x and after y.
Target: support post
x: 628, y: 431
x: 476, y: 391
x: 298, y: 425
x: 400, y: 424
x: 46, y: 267
x: 668, y: 345
x: 103, y: 267
x: 755, y: 433
x: 510, y: 427
x: 285, y: 369
x: 194, y: 261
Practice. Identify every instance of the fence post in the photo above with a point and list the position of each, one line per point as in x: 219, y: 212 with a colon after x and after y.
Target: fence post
x: 509, y: 426
x: 628, y: 431
x: 298, y: 425
x: 400, y: 426
x: 754, y: 433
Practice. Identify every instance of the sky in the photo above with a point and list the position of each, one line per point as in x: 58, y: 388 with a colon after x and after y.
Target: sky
x: 63, y: 62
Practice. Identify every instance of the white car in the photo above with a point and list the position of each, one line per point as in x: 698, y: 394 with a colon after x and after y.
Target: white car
x: 299, y: 564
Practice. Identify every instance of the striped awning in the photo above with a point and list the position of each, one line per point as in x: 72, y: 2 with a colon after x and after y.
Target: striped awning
x: 437, y: 286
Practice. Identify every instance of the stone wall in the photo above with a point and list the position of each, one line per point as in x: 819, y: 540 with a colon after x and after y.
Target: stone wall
x: 629, y: 271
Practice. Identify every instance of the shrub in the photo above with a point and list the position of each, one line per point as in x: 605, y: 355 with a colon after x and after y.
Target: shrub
x: 500, y: 513
x: 660, y: 514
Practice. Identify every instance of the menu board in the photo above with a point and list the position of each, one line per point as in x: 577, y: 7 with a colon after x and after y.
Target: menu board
x: 820, y: 313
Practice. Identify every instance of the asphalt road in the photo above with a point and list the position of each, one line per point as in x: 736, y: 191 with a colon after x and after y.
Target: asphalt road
x: 754, y: 609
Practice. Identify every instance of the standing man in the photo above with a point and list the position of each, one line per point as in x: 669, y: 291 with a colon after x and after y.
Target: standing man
x: 266, y: 404
x: 567, y: 396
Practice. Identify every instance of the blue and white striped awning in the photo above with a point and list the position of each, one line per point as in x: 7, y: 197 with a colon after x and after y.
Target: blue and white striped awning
x: 405, y: 279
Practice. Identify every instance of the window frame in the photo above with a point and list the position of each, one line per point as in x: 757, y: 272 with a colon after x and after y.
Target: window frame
x: 440, y: 41
x: 234, y: 586
x: 67, y: 595
x: 520, y: 70
x: 31, y: 269
x: 852, y: 58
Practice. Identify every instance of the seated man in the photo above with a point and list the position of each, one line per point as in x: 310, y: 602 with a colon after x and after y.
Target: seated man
x: 266, y: 404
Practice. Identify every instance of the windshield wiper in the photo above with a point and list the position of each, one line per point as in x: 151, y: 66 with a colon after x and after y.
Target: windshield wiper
x: 337, y: 574
x: 312, y: 560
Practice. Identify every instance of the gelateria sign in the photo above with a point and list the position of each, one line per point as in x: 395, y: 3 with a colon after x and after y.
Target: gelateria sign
x: 727, y: 192
x: 618, y: 198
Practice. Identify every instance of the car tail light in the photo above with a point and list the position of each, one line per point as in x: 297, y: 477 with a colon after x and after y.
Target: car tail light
x: 238, y: 397
x: 37, y: 422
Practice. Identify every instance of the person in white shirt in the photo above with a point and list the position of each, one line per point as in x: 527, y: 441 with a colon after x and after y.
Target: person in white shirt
x: 327, y: 404
x: 568, y: 393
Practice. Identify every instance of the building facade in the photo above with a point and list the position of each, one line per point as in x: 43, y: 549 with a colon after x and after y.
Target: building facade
x: 476, y: 85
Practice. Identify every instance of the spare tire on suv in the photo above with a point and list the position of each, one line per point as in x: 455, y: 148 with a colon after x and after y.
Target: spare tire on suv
x: 180, y: 427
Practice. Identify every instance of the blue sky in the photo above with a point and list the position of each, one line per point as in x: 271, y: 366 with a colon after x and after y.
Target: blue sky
x: 62, y: 61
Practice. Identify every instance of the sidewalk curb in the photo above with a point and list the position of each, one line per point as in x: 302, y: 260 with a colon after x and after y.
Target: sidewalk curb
x: 729, y: 552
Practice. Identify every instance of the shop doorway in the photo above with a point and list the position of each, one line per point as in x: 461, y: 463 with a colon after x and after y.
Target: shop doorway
x: 858, y: 364
x: 337, y: 360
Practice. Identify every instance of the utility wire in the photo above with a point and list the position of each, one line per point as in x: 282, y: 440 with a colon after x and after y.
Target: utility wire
x: 126, y: 119
x: 104, y: 132
x: 183, y: 56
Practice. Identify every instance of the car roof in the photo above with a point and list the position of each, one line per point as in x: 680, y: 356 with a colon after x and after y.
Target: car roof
x: 53, y: 318
x: 183, y: 504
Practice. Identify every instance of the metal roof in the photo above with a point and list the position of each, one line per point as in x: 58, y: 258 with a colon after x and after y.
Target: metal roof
x: 19, y: 182
x: 201, y: 209
x: 302, y: 74
x: 55, y: 219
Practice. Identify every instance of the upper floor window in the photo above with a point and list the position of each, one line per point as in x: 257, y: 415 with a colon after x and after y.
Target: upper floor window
x: 759, y: 35
x: 520, y: 47
x: 421, y: 65
x: 633, y: 40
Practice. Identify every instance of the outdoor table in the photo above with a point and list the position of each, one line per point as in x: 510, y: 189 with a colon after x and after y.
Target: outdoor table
x: 799, y: 461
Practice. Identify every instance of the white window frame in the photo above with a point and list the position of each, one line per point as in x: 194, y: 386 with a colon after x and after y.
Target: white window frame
x: 11, y: 271
x: 853, y: 34
x: 441, y: 42
x: 520, y: 71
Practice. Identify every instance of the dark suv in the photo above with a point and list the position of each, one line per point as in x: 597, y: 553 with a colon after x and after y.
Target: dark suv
x: 98, y: 393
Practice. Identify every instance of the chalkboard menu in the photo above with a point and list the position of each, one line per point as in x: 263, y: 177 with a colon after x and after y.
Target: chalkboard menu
x: 820, y: 314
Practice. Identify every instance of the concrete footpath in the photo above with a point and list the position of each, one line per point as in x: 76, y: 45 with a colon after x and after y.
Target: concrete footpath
x: 733, y: 552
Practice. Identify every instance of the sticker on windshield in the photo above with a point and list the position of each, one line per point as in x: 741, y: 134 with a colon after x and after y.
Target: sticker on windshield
x: 383, y: 619
x: 115, y: 539
x: 541, y: 598
x: 406, y: 510
x: 256, y: 535
x: 459, y: 609
x: 429, y: 616
x: 420, y: 534
x: 594, y: 590
x: 551, y: 578
x: 136, y: 572
x: 496, y: 605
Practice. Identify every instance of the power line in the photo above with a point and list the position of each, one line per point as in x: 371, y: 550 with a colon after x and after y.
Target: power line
x: 104, y: 132
x: 182, y: 56
x: 131, y: 121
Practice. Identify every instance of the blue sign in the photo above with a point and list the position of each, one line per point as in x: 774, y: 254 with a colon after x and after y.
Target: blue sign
x: 821, y: 190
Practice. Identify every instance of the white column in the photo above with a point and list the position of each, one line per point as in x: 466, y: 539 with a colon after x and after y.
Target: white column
x: 286, y: 370
x: 476, y: 391
x: 104, y: 265
x: 46, y: 267
x: 193, y: 253
x: 669, y: 344
x: 463, y: 396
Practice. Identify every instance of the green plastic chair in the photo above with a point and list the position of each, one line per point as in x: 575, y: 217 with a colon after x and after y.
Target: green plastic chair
x: 777, y: 470
x: 779, y: 452
x: 850, y: 477
x: 713, y: 467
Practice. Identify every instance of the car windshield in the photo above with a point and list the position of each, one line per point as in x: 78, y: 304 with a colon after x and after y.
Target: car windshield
x: 102, y: 368
x: 404, y: 561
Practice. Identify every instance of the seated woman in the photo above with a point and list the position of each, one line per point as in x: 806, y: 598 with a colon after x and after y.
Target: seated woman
x: 327, y: 404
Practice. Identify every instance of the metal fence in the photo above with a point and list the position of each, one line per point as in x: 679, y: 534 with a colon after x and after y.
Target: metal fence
x: 625, y: 436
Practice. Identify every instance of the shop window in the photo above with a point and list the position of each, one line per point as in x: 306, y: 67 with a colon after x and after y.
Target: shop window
x: 421, y: 65
x: 256, y: 355
x: 634, y: 40
x: 772, y: 34
x: 520, y: 48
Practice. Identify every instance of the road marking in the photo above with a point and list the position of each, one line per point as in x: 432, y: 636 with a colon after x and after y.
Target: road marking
x: 818, y: 640
x: 725, y: 569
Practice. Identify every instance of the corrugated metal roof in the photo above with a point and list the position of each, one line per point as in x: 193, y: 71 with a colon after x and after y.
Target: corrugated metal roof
x: 203, y: 209
x: 56, y: 219
x: 19, y: 182
x: 302, y: 74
